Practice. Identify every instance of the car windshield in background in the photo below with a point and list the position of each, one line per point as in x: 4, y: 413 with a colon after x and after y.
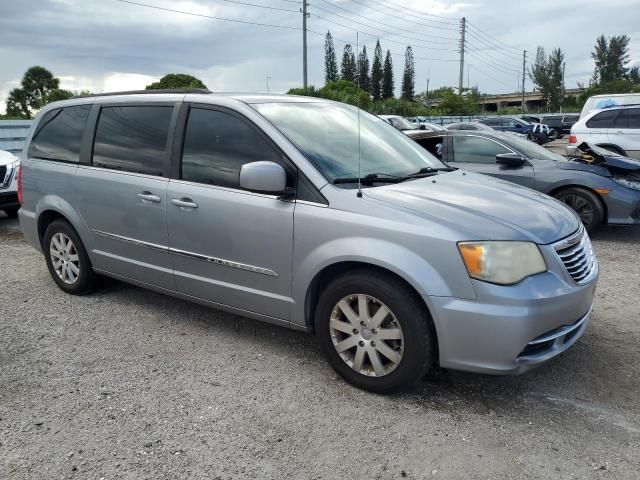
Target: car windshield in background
x: 531, y: 149
x: 402, y: 123
x: 327, y: 134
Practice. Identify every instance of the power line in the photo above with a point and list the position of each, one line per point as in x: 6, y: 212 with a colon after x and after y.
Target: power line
x: 489, y: 57
x: 475, y: 68
x: 386, y: 24
x: 377, y: 35
x: 493, y: 39
x: 494, y: 47
x: 497, y: 64
x: 493, y: 65
x: 450, y: 20
x: 374, y: 28
x: 260, y: 6
x: 404, y: 19
x: 213, y: 17
x: 395, y: 54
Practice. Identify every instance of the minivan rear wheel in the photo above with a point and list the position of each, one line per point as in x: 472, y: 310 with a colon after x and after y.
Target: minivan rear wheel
x: 67, y: 259
x: 374, y: 331
x: 586, y: 204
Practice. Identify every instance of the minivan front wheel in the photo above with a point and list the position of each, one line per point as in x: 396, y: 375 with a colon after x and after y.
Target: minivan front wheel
x: 374, y: 331
x: 67, y: 259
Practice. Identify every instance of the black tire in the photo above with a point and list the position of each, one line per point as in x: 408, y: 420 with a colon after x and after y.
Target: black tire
x: 12, y: 212
x: 86, y: 278
x: 586, y: 204
x: 419, y: 337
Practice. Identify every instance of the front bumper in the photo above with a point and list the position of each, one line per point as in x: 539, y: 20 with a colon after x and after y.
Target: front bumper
x: 9, y: 200
x: 511, y: 329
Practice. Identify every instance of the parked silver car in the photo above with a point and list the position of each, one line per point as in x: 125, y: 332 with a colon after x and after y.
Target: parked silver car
x: 308, y: 214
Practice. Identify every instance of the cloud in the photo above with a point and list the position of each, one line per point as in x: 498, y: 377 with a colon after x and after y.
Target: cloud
x: 111, y: 45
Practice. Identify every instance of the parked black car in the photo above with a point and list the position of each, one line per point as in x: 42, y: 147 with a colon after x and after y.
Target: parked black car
x: 561, y: 123
x: 600, y: 186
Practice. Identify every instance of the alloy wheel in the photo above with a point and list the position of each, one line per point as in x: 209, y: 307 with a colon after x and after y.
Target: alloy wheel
x: 64, y: 258
x: 581, y: 206
x: 367, y: 335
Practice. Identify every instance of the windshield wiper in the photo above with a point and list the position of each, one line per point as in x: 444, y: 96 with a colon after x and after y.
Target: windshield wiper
x: 371, y: 178
x: 424, y: 170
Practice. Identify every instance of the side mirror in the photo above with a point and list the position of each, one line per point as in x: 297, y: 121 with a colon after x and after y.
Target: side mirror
x: 423, y: 127
x: 510, y: 159
x: 518, y: 125
x: 263, y: 177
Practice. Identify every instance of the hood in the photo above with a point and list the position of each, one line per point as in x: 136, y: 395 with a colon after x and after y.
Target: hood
x: 7, y: 157
x: 482, y: 207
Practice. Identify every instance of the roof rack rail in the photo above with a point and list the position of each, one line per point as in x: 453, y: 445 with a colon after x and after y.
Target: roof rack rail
x: 147, y: 92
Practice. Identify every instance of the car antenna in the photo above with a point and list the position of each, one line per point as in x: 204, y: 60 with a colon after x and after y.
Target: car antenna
x: 359, y: 194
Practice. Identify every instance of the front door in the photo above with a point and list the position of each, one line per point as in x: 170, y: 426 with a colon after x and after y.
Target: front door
x: 228, y: 245
x: 122, y: 195
x: 478, y: 154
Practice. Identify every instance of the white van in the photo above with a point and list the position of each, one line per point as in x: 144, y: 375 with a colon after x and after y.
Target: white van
x: 598, y: 102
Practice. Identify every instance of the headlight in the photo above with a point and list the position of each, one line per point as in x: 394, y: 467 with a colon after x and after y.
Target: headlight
x: 635, y: 185
x: 504, y: 263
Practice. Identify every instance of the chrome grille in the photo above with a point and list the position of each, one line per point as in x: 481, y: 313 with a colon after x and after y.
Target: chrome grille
x: 577, y: 256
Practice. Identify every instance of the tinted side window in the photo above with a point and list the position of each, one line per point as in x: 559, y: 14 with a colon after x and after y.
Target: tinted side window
x: 492, y: 122
x: 217, y: 144
x: 509, y: 122
x: 132, y: 139
x: 603, y: 119
x: 476, y: 150
x: 59, y: 134
x: 433, y: 145
x: 628, y: 118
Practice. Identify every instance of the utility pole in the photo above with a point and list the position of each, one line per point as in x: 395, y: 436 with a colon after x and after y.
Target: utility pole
x: 268, y: 78
x: 463, y: 30
x: 524, y: 70
x: 562, y: 90
x: 428, y: 78
x: 304, y: 43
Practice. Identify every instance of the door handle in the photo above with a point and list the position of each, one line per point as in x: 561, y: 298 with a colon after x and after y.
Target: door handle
x: 184, y: 203
x: 148, y: 197
x: 619, y: 132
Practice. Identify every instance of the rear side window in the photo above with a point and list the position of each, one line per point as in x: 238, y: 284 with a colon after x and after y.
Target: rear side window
x: 628, y: 118
x: 492, y: 122
x: 476, y: 149
x: 132, y: 139
x: 59, y: 134
x: 433, y: 145
x: 217, y: 144
x: 603, y: 119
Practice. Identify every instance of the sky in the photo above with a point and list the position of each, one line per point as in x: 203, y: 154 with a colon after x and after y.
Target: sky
x: 110, y: 45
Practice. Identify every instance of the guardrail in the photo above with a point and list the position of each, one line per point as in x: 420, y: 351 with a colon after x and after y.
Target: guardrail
x: 13, y: 133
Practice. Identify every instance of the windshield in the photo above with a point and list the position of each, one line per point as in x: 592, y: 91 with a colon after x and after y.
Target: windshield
x: 532, y: 150
x: 401, y: 123
x: 327, y: 134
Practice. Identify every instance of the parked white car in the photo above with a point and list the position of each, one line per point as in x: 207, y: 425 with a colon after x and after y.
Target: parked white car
x: 598, y: 102
x: 400, y: 123
x: 617, y: 129
x: 8, y: 186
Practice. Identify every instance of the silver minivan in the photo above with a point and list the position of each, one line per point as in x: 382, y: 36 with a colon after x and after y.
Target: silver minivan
x: 312, y: 215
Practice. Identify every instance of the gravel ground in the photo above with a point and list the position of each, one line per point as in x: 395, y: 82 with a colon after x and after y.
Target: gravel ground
x: 126, y: 383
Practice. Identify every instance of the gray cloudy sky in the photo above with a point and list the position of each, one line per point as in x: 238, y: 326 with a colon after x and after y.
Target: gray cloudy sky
x: 106, y: 45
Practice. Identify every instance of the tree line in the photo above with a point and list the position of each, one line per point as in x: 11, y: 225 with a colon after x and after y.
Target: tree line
x: 371, y: 84
x: 611, y: 74
x: 379, y: 80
